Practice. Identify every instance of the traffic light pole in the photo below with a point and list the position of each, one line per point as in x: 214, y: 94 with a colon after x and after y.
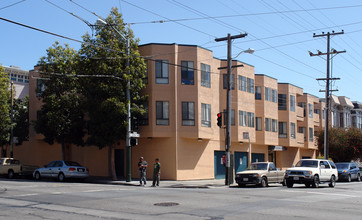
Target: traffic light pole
x: 228, y: 105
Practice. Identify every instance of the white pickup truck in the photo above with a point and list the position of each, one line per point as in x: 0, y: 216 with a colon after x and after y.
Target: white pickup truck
x: 12, y: 167
x: 312, y: 172
x: 260, y: 174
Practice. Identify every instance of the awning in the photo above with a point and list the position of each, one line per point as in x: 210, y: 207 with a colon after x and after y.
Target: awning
x: 277, y: 148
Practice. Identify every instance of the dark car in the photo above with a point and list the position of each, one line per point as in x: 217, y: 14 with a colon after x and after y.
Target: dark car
x: 348, y: 172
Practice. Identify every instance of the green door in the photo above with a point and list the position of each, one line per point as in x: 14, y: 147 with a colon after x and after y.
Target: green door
x: 241, y: 161
x: 219, y: 168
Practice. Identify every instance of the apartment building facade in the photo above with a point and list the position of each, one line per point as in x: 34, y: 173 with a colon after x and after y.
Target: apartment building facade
x: 20, y: 80
x: 271, y: 121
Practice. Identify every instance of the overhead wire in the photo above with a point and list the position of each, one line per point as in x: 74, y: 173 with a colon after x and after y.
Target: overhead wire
x: 266, y: 44
x: 8, y: 6
x: 242, y: 15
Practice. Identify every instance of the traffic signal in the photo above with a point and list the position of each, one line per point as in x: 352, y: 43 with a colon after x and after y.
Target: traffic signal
x: 219, y: 119
x: 134, y: 141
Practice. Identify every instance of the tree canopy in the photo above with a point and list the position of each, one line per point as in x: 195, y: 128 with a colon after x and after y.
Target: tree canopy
x: 344, y: 144
x: 4, y: 108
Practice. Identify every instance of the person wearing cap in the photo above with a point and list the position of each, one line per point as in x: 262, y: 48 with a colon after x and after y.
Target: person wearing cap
x: 142, y: 165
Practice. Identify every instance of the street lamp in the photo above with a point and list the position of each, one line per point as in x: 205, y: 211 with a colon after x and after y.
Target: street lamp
x: 249, y: 51
x: 128, y: 142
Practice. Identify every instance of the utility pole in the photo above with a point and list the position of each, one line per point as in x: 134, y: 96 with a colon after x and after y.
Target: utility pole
x: 228, y: 171
x: 12, y: 120
x: 327, y: 91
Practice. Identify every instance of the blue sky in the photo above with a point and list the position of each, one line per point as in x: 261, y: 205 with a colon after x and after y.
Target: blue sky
x: 280, y: 31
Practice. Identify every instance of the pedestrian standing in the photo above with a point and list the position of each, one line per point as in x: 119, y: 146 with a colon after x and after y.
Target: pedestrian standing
x: 156, y: 172
x: 142, y: 165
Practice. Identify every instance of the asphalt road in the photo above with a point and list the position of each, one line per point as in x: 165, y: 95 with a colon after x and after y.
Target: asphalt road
x: 28, y: 199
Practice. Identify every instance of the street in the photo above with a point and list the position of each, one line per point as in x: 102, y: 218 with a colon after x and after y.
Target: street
x: 28, y: 199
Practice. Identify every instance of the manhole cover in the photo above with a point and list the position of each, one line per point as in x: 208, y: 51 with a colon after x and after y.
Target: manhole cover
x: 167, y: 204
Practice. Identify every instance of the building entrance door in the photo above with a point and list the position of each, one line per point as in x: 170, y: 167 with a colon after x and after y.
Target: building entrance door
x: 219, y: 168
x: 119, y: 162
x: 241, y: 161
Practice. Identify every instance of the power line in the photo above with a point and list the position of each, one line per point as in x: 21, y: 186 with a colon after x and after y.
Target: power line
x: 12, y: 4
x: 243, y: 15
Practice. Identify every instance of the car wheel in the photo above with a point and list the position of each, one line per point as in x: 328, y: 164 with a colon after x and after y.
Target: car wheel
x: 307, y: 185
x: 359, y: 177
x: 349, y: 178
x: 315, y: 183
x: 37, y: 176
x: 332, y: 181
x: 11, y: 174
x: 264, y: 182
x: 290, y: 184
x: 61, y: 177
x: 241, y: 184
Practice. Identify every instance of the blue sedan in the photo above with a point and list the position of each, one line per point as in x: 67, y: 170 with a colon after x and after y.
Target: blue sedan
x: 348, y: 172
x: 61, y: 170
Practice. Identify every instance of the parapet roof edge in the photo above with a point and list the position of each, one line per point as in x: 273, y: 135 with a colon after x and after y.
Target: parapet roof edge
x: 259, y: 74
x: 168, y: 44
x: 291, y: 85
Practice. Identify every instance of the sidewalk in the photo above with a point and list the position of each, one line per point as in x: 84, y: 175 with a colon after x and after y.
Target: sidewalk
x: 212, y: 183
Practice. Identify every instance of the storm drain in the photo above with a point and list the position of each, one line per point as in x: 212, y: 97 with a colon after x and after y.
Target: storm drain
x: 166, y: 204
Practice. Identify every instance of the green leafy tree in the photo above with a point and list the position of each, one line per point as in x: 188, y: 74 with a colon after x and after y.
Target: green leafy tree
x: 61, y: 117
x: 106, y: 96
x: 4, y: 110
x: 344, y: 144
x: 21, y: 119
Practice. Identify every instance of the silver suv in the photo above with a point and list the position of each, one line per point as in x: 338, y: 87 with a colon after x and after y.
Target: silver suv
x: 312, y: 172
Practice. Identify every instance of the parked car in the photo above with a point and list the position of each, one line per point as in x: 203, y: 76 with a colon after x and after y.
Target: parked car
x: 12, y: 167
x: 348, y: 172
x: 360, y: 172
x: 62, y: 170
x: 261, y: 174
x: 312, y: 172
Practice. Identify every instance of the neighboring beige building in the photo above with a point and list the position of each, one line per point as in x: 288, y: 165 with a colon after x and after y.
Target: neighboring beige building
x: 186, y: 91
x: 20, y: 79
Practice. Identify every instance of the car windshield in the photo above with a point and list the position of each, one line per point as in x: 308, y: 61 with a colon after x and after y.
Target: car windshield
x: 258, y: 166
x: 342, y: 166
x: 307, y: 163
x: 72, y: 163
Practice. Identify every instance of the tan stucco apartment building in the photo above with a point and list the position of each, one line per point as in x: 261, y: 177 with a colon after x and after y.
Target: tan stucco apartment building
x: 186, y: 90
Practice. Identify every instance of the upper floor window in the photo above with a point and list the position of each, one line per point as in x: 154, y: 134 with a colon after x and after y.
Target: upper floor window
x: 242, y: 83
x: 258, y: 123
x: 268, y: 95
x: 274, y: 125
x: 162, y: 75
x: 242, y: 118
x: 292, y: 103
x: 251, y: 119
x: 205, y: 75
x: 267, y: 124
x: 205, y: 115
x: 274, y: 96
x: 40, y: 87
x: 232, y: 117
x: 187, y: 72
x: 282, y: 102
x: 311, y: 134
x: 257, y: 93
x: 26, y: 79
x: 283, y: 130
x: 292, y: 130
x: 188, y: 113
x: 250, y: 85
x: 162, y: 113
x: 310, y: 110
x: 225, y: 81
x: 20, y: 78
